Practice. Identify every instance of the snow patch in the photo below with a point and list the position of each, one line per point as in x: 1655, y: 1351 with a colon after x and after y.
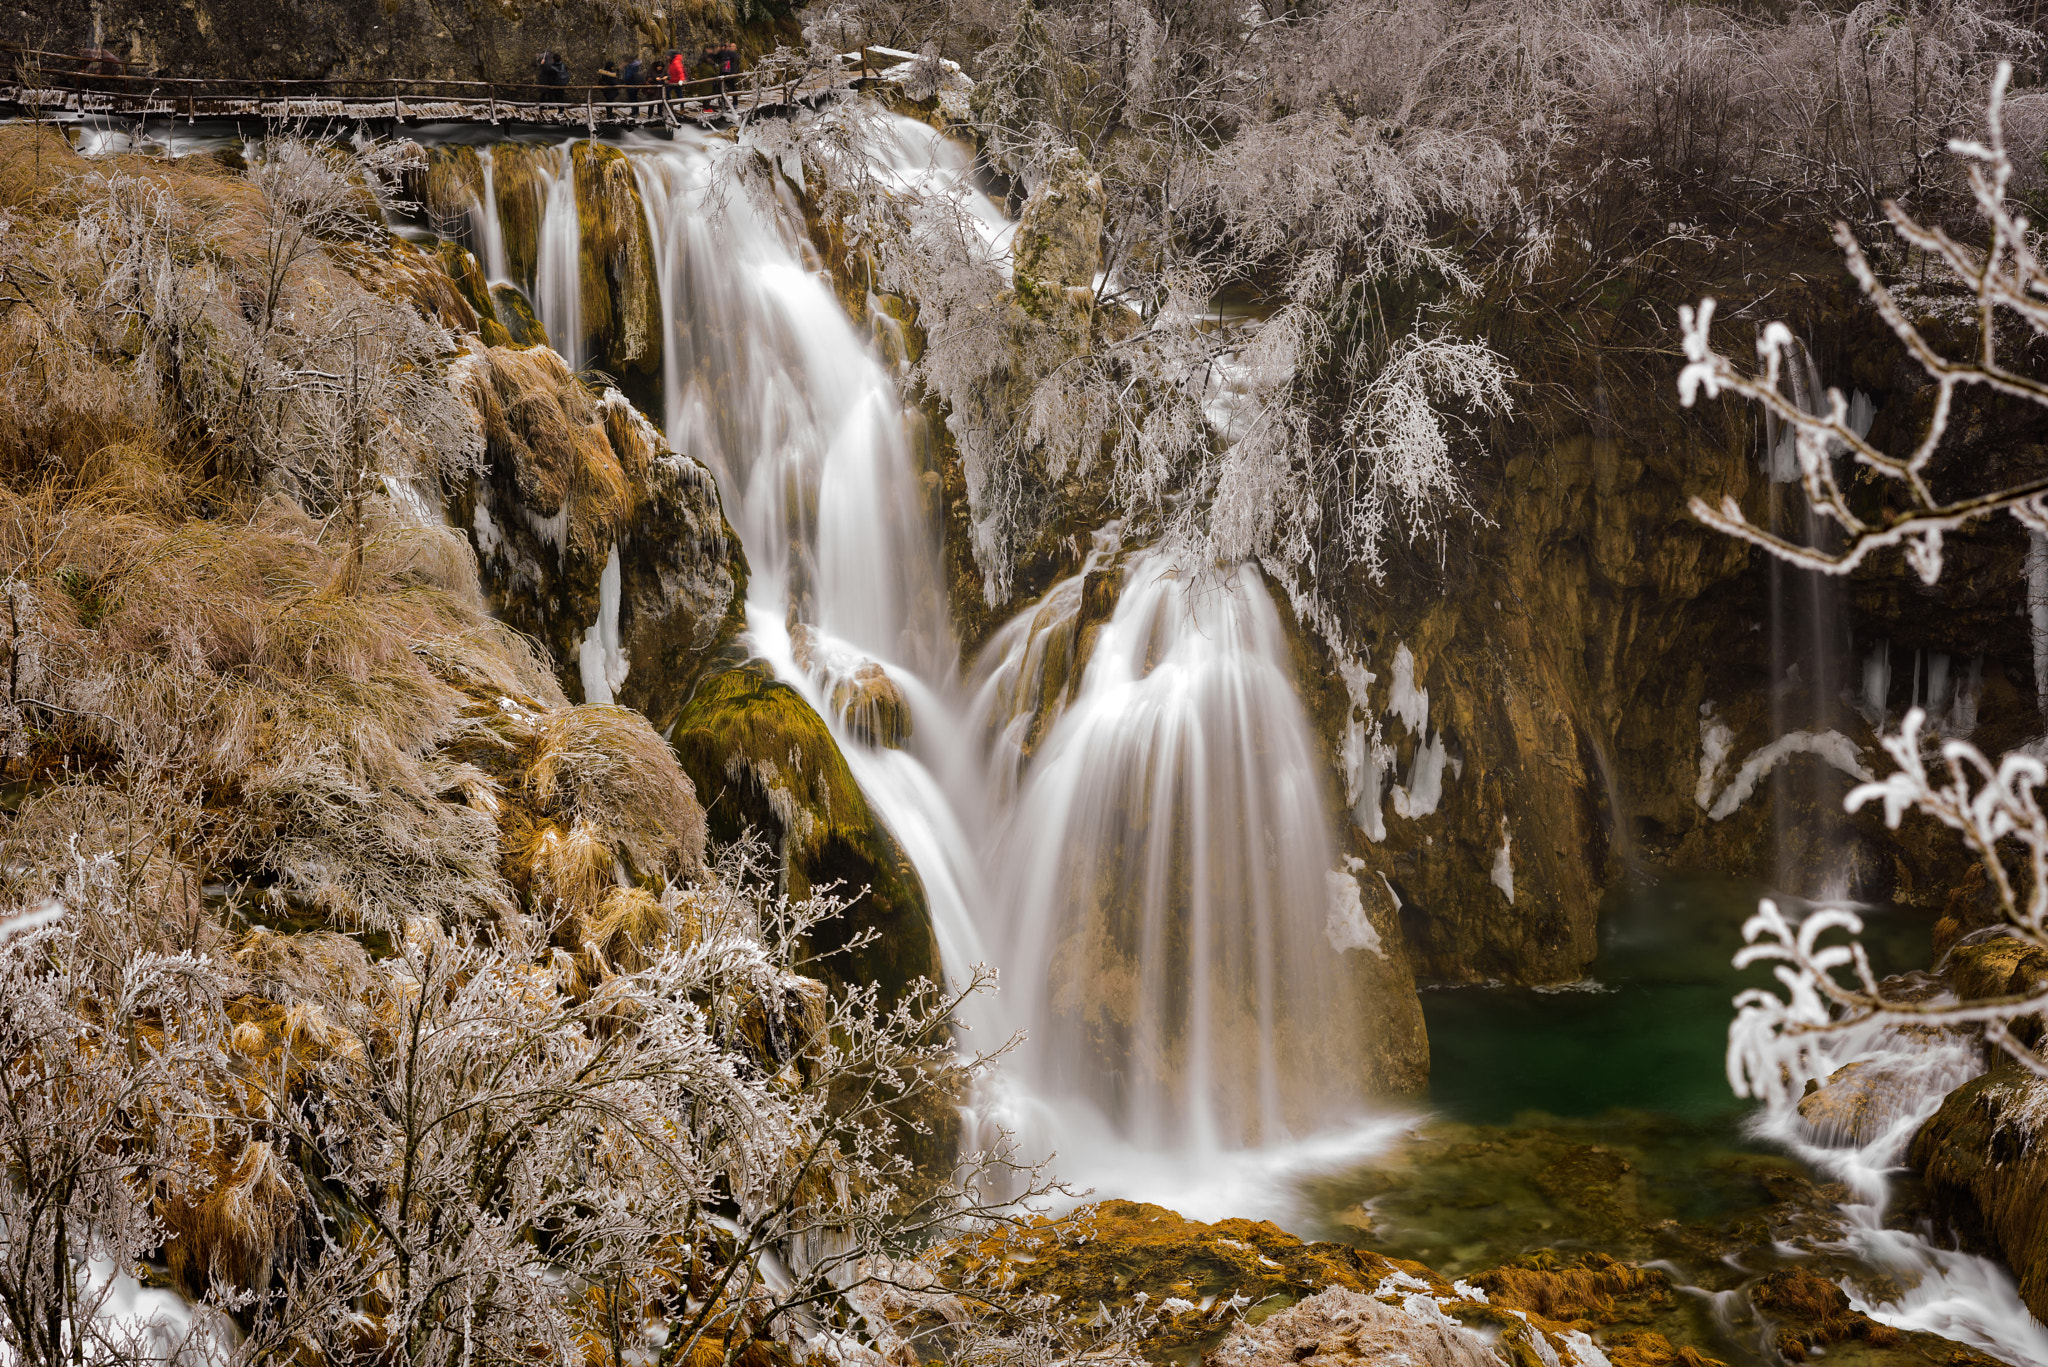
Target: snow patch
x: 1409, y: 703
x: 1832, y: 746
x: 1366, y: 758
x: 1425, y: 786
x: 489, y: 539
x: 1347, y: 926
x: 1716, y: 741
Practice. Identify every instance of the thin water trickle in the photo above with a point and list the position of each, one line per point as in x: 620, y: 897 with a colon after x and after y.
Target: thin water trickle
x: 558, y: 261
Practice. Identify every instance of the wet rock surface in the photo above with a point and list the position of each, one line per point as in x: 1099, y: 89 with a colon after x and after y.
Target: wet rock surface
x: 1982, y: 1160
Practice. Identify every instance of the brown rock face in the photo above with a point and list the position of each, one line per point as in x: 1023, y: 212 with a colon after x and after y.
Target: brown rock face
x: 1982, y: 1155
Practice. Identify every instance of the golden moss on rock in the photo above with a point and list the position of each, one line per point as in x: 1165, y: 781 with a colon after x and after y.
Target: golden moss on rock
x: 1217, y: 1285
x: 467, y: 277
x: 522, y: 327
x: 621, y: 296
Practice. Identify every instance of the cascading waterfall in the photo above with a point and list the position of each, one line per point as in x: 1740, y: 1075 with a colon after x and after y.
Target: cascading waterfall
x: 1942, y: 1291
x: 767, y: 382
x: 1191, y: 856
x: 1808, y: 643
x: 1166, y: 865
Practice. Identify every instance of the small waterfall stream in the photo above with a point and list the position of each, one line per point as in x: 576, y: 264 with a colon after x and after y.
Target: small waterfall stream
x: 1944, y: 1291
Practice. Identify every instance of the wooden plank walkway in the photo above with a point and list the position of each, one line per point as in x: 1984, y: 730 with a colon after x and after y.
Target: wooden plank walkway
x: 41, y: 87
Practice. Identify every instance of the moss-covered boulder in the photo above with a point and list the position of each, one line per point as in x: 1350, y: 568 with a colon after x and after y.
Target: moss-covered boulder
x: 594, y: 538
x: 467, y: 276
x: 515, y: 314
x: 1982, y: 1157
x: 763, y: 758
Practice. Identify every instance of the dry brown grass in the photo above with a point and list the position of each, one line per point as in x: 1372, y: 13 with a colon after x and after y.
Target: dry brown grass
x: 319, y: 690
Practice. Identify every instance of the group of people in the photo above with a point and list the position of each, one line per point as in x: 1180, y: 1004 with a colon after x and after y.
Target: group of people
x: 634, y: 79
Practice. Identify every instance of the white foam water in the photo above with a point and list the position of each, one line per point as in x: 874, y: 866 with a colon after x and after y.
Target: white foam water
x: 1942, y: 1291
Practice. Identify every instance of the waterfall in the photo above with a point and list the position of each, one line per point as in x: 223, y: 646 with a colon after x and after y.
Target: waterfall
x: 1174, y: 817
x: 1164, y: 873
x: 767, y: 382
x: 486, y: 228
x: 558, y: 263
x: 1942, y: 1291
x: 1809, y: 642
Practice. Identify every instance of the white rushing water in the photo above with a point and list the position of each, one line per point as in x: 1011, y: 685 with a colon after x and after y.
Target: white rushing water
x: 558, y: 264
x: 1942, y: 1291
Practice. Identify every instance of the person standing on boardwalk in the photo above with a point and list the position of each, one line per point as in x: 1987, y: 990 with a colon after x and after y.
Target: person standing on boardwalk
x: 552, y: 73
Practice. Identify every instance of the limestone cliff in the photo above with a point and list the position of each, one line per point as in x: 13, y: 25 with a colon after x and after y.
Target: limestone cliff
x: 595, y: 539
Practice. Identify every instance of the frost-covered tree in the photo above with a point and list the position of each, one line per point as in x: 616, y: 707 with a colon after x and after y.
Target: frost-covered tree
x: 668, y: 1146
x: 1778, y: 1042
x: 105, y: 1061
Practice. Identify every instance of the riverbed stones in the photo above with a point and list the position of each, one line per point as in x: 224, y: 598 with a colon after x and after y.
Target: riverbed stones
x: 1338, y: 1327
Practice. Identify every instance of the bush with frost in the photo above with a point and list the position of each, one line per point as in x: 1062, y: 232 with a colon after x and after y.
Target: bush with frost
x: 465, y: 1149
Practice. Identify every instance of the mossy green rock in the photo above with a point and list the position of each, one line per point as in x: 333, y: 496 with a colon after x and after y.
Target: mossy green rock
x: 517, y: 318
x: 762, y: 757
x: 620, y: 292
x: 1981, y: 1154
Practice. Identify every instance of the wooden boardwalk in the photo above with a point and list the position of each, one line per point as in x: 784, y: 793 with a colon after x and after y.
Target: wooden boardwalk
x: 53, y: 87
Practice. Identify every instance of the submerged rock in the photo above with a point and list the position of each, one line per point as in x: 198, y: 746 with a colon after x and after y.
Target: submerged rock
x: 1341, y: 1326
x: 1245, y: 1292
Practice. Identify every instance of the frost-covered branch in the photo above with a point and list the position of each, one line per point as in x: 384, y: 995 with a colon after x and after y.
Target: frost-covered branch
x: 2006, y: 283
x: 1778, y: 1042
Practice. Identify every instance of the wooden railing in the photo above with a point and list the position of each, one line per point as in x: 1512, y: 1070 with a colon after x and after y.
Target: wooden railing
x: 40, y: 82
